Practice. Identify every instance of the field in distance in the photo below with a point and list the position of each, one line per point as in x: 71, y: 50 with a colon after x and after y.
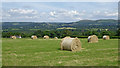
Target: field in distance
x: 39, y: 52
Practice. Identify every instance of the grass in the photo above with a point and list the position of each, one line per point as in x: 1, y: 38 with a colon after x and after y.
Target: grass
x: 27, y: 52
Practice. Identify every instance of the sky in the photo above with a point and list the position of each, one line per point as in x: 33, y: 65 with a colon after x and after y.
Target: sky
x: 60, y: 0
x: 58, y: 11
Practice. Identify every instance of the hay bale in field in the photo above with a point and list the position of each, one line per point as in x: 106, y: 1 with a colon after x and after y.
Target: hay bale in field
x: 33, y: 37
x: 55, y: 37
x: 46, y: 37
x: 19, y: 36
x: 66, y: 37
x: 106, y: 37
x: 72, y: 44
x: 92, y: 39
x: 13, y: 37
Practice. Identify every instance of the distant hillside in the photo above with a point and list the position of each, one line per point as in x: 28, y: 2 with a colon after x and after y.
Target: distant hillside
x: 83, y: 24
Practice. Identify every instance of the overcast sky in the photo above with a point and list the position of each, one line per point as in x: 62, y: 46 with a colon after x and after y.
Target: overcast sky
x: 58, y: 11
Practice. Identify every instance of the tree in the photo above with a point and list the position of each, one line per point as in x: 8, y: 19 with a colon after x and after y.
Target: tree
x: 66, y: 33
x: 118, y: 32
x: 39, y: 33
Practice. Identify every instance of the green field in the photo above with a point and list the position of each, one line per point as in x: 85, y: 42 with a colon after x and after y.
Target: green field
x: 28, y: 52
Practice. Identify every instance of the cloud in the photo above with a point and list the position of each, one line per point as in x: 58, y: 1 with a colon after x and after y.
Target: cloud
x: 73, y: 12
x: 55, y: 15
x: 103, y: 15
x: 55, y: 11
x: 52, y: 13
x: 111, y: 14
x: 19, y: 15
x: 23, y: 11
x: 65, y: 15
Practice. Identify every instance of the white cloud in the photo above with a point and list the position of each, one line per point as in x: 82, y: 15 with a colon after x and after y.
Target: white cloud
x: 56, y: 15
x: 30, y: 17
x: 65, y: 15
x: 104, y: 14
x: 52, y: 19
x: 52, y: 13
x: 23, y: 11
x: 79, y: 18
x: 73, y: 12
x: 111, y: 14
x: 96, y: 12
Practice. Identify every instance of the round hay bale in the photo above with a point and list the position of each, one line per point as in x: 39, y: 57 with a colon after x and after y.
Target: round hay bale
x: 66, y: 37
x: 19, y: 36
x: 33, y: 37
x: 46, y: 37
x: 56, y: 38
x: 106, y: 37
x: 92, y: 39
x: 71, y: 44
x: 13, y: 37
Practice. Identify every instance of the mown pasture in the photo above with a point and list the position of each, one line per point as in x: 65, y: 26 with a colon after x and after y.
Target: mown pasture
x: 40, y: 52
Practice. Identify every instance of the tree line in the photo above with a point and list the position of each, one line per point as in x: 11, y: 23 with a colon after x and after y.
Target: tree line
x: 63, y: 33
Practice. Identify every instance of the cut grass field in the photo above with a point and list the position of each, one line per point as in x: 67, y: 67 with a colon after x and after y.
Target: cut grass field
x: 39, y: 52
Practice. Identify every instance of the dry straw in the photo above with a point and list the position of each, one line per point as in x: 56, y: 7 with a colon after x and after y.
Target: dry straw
x: 13, y: 37
x: 19, y: 36
x: 55, y: 37
x: 33, y: 37
x: 46, y: 37
x: 92, y: 39
x: 71, y: 44
x: 106, y: 37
